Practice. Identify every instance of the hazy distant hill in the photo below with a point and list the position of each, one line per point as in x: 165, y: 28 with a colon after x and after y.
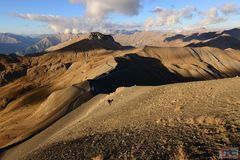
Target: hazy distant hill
x: 41, y: 45
x: 47, y: 41
x: 11, y: 43
x: 219, y: 39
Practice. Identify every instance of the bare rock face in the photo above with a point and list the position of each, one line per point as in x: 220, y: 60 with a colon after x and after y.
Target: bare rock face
x: 88, y: 43
x: 106, y: 41
x: 37, y: 72
x: 98, y: 36
x: 94, y: 41
x: 11, y: 68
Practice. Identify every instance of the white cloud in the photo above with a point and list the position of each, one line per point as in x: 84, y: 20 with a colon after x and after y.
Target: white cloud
x: 169, y: 17
x: 95, y: 18
x: 98, y: 9
x: 149, y: 23
x: 212, y: 16
x: 230, y: 8
x: 215, y: 15
x: 60, y: 24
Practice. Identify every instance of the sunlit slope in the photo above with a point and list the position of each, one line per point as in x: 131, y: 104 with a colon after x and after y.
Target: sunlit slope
x: 46, y: 89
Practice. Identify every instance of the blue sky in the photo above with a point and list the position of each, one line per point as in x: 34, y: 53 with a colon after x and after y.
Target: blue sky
x: 49, y: 16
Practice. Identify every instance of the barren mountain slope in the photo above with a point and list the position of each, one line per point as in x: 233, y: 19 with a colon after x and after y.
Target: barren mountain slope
x: 223, y: 42
x: 102, y: 73
x: 140, y: 39
x: 177, y: 121
x: 56, y: 83
x: 87, y: 42
x: 219, y: 39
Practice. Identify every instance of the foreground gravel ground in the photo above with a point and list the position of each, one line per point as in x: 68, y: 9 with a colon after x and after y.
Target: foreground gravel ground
x: 178, y: 121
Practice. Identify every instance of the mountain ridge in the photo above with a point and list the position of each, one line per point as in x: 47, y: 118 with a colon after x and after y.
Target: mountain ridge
x: 11, y: 43
x: 96, y: 71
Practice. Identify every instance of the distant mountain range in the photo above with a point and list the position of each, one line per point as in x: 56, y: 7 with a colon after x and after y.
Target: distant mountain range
x: 218, y: 39
x: 23, y: 45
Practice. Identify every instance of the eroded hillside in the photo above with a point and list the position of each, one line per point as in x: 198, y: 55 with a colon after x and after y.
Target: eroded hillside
x: 54, y: 84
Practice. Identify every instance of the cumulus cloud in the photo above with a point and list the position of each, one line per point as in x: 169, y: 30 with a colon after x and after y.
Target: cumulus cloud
x: 60, y: 24
x: 173, y: 18
x: 215, y: 15
x: 95, y: 18
x: 212, y: 16
x: 98, y: 9
x: 149, y: 23
x: 230, y: 8
x: 168, y: 17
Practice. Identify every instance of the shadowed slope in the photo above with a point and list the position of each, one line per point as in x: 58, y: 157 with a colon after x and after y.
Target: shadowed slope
x: 233, y: 32
x: 193, y: 120
x: 60, y: 73
x: 195, y: 36
x: 93, y: 41
x: 135, y: 70
x: 222, y: 42
x: 219, y: 39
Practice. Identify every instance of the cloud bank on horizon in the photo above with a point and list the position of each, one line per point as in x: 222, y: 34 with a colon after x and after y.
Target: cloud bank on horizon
x: 97, y: 16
